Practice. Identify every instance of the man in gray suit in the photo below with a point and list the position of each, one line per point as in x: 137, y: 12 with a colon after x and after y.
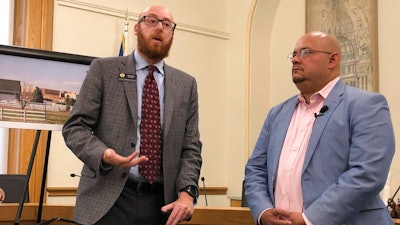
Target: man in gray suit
x: 322, y: 156
x: 104, y: 132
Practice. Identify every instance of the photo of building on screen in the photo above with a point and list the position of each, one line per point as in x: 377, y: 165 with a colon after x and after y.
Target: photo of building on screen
x: 20, y: 101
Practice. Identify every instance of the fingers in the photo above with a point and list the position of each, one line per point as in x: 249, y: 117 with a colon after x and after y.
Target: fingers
x: 112, y: 158
x: 181, y: 210
x: 297, y: 218
x: 177, y: 215
x: 167, y: 208
x: 283, y: 213
x: 275, y: 217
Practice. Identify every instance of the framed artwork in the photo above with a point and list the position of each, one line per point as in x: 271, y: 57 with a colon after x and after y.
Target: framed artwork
x: 38, y: 88
x: 354, y: 23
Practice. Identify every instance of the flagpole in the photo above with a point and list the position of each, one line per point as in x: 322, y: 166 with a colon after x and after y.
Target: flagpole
x: 126, y: 33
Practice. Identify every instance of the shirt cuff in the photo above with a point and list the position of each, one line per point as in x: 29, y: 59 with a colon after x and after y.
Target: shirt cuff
x: 259, y: 217
x: 306, y: 220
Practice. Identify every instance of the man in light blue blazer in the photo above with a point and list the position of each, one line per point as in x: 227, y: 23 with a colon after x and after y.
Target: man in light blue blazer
x: 323, y: 156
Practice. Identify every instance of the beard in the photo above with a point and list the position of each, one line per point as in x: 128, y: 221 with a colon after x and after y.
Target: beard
x: 153, y: 52
x: 298, y: 79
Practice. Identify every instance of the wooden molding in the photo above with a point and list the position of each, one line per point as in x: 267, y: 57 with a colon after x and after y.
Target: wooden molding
x: 30, y: 212
x: 33, y: 24
x: 202, y: 215
x: 115, y: 12
x: 213, y: 190
x: 61, y: 191
x: 71, y: 191
x: 33, y: 28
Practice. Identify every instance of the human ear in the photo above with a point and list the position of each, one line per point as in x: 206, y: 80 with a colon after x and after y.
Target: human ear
x: 334, y: 60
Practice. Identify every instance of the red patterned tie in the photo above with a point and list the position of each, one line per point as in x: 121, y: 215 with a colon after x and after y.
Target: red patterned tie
x: 150, y: 129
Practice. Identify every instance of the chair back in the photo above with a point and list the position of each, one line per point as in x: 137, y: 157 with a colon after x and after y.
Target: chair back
x: 13, y: 187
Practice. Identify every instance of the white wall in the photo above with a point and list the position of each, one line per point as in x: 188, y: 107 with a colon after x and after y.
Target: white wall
x: 237, y: 51
x: 389, y: 85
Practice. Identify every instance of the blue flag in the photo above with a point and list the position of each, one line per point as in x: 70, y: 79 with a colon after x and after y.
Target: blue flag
x: 122, y: 48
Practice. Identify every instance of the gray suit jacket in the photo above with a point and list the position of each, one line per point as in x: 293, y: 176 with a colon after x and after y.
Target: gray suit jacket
x: 105, y: 116
x: 346, y: 165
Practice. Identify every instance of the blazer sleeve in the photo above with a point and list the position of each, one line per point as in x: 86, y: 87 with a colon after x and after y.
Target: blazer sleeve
x: 191, y: 160
x: 78, y: 129
x: 257, y: 170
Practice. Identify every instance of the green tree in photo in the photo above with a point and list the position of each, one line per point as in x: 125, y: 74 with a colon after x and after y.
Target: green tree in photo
x: 37, y: 95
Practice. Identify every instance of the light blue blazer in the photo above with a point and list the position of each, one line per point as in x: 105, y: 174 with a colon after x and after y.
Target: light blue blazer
x: 346, y: 165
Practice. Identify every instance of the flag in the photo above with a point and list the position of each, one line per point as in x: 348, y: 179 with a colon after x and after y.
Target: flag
x: 122, y: 48
x: 124, y: 41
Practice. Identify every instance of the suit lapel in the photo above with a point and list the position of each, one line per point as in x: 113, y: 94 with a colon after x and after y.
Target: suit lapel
x: 280, y: 125
x: 332, y: 101
x: 128, y: 67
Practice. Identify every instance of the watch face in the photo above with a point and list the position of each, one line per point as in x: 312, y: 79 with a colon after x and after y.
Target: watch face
x: 192, y: 190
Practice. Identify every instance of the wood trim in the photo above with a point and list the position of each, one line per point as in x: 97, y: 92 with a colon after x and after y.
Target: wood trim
x: 221, y: 216
x: 33, y: 24
x: 202, y: 215
x: 97, y: 8
x: 236, y: 203
x: 29, y: 214
x: 61, y: 191
x: 33, y: 28
x: 71, y: 191
x: 213, y: 190
x: 20, y: 149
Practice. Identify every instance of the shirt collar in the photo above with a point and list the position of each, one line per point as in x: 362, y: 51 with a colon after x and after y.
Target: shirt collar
x: 141, y: 63
x: 324, y: 92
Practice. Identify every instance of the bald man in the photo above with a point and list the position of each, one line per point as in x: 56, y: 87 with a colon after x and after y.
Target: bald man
x: 323, y: 156
x: 107, y: 130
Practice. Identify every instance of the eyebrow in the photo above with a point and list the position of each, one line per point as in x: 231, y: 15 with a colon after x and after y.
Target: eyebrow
x: 154, y: 15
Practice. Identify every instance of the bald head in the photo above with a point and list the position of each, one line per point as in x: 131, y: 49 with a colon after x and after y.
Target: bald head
x: 155, y: 31
x: 319, y: 65
x: 323, y: 40
x: 158, y: 9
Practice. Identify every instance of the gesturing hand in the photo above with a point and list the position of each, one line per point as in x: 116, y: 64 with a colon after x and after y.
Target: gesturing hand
x: 112, y: 158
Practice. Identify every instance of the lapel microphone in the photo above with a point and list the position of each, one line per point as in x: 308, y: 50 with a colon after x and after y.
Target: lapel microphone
x: 321, y: 111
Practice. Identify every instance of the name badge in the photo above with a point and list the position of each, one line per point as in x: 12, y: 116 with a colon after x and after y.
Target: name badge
x: 127, y: 77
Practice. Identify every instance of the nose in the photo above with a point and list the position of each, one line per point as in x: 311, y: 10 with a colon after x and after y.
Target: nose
x: 295, y: 59
x: 159, y: 26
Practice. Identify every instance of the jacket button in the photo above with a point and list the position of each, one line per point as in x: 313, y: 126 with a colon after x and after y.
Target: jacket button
x: 123, y: 175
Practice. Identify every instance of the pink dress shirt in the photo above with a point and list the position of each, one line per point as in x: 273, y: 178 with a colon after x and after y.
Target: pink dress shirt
x: 288, y: 193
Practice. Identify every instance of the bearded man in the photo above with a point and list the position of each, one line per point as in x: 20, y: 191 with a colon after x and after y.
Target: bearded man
x: 135, y: 128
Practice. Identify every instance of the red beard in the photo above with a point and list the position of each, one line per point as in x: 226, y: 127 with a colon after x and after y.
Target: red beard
x: 155, y: 52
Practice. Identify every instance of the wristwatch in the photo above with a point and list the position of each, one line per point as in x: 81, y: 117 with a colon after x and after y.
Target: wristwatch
x: 192, y: 191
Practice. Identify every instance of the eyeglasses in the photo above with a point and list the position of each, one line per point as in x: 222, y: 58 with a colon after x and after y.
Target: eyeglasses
x: 304, y: 52
x: 153, y: 21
